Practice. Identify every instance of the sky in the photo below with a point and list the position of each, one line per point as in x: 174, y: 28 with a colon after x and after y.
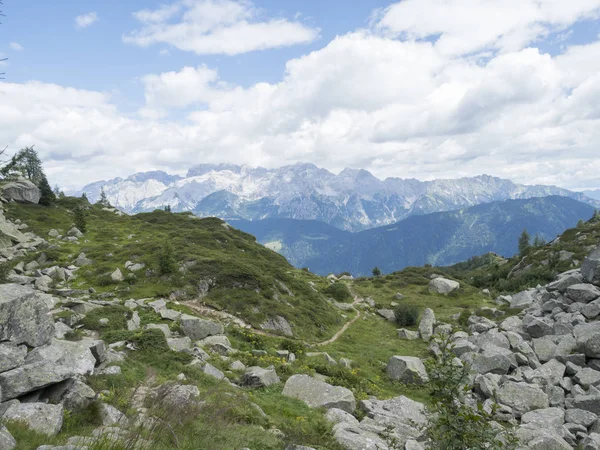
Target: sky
x: 413, y: 89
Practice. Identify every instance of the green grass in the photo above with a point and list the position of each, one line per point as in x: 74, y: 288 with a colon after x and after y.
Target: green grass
x: 245, y: 277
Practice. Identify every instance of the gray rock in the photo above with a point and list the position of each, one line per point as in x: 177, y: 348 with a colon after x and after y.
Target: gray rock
x: 407, y: 334
x: 580, y: 417
x: 237, y: 365
x: 537, y: 327
x: 589, y: 403
x: 21, y: 191
x: 278, y: 324
x: 426, y: 324
x: 402, y: 416
x: 7, y: 441
x: 39, y: 417
x: 544, y: 348
x: 587, y: 377
x: 11, y: 355
x: 82, y: 261
x: 591, y: 310
x: 160, y: 326
x: 522, y: 299
x: 75, y: 232
x: 407, y: 369
x: 591, y: 442
x: 110, y: 416
x: 196, y: 328
x: 117, y: 276
x: 590, y: 268
x: 179, y: 344
x: 73, y: 394
x: 317, y: 393
x: 493, y: 360
x: 212, y: 371
x: 176, y: 395
x: 298, y: 447
x: 583, y: 292
x: 353, y: 437
x: 387, y: 314
x: 134, y: 323
x: 522, y: 397
x: 47, y: 365
x: 545, y: 418
x: 259, y: 377
x: 549, y: 374
x: 170, y: 314
x: 588, y: 339
x: 24, y: 317
x: 443, y: 286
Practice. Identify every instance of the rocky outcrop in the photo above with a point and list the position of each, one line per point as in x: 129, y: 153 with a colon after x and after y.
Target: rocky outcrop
x: 39, y: 417
x: 21, y: 190
x: 278, y: 324
x: 196, y: 328
x: 318, y: 394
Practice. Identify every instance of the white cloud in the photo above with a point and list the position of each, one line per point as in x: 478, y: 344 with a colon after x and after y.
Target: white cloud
x: 85, y: 20
x: 398, y: 108
x: 16, y: 47
x: 216, y: 27
x: 465, y: 26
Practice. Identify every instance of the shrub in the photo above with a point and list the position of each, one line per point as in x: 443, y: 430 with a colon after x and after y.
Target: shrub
x: 166, y: 259
x: 406, y: 315
x: 452, y: 425
x: 80, y: 219
x: 339, y: 292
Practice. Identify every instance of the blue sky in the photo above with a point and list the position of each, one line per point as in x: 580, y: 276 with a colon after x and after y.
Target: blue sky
x: 417, y: 88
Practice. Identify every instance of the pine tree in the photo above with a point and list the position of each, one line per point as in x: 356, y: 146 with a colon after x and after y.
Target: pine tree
x: 166, y: 259
x: 84, y: 196
x: 524, y: 244
x: 538, y: 241
x: 103, y: 200
x: 80, y: 219
x: 48, y: 197
x: 376, y: 271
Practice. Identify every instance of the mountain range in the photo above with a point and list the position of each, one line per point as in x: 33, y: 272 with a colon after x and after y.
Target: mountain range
x: 442, y: 238
x: 354, y: 200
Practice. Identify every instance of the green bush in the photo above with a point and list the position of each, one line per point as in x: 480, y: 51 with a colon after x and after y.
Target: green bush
x: 406, y: 315
x: 339, y: 292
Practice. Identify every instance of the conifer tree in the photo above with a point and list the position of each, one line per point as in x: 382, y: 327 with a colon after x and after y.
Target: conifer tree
x: 80, y: 219
x: 524, y: 244
x: 103, y: 200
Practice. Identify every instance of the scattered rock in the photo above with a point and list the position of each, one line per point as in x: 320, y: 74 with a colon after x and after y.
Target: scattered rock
x: 39, y: 417
x: 443, y: 286
x: 259, y: 377
x: 317, y: 393
x: 407, y: 369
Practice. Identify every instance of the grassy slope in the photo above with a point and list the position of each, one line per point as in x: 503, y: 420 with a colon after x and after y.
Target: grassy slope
x: 239, y: 266
x: 246, y: 276
x: 540, y: 266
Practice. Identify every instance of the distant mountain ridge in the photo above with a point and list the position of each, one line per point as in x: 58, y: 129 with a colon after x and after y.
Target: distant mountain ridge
x: 354, y: 200
x: 442, y: 238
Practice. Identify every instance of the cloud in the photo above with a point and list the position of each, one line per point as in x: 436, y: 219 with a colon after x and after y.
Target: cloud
x: 16, y: 47
x: 85, y: 20
x: 216, y: 27
x: 463, y: 26
x: 396, y: 107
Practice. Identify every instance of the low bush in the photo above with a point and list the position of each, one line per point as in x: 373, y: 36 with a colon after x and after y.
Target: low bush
x: 406, y: 315
x: 339, y: 292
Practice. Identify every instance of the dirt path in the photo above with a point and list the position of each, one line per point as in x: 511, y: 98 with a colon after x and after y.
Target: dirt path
x: 211, y: 312
x: 337, y: 335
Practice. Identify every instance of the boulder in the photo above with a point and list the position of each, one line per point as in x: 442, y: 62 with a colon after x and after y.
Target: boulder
x: 47, y: 365
x: 403, y: 417
x: 537, y: 327
x: 545, y: 418
x: 175, y: 395
x: 212, y: 371
x: 111, y: 416
x: 11, y: 355
x: 317, y: 393
x: 580, y: 417
x: 522, y: 397
x: 24, y: 317
x: 589, y: 403
x: 587, y: 377
x: 117, y: 276
x: 407, y: 369
x: 39, y: 417
x: 278, y: 324
x: 493, y: 360
x: 197, y: 329
x: 426, y: 324
x: 21, y: 191
x: 443, y: 286
x: 590, y: 268
x: 522, y: 299
x: 9, y: 234
x: 583, y: 292
x: 75, y: 232
x: 259, y: 377
x: 387, y: 314
x: 407, y: 334
x: 7, y: 441
x: 179, y: 344
x: 588, y: 338
x: 591, y: 442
